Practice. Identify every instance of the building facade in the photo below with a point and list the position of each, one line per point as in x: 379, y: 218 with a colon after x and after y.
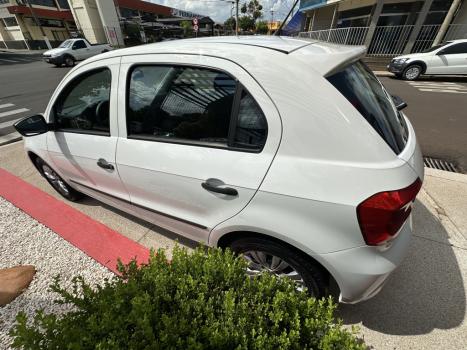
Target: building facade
x: 386, y: 27
x: 41, y: 24
x: 34, y: 24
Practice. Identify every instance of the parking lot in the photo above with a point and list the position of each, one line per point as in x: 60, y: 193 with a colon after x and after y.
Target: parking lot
x: 423, y: 304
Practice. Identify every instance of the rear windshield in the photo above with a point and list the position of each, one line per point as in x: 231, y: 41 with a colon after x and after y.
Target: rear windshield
x: 365, y: 92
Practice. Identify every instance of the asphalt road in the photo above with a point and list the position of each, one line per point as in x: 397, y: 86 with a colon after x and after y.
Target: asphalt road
x: 437, y: 107
x: 25, y: 89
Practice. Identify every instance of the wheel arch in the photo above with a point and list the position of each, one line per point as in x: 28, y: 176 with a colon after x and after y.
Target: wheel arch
x: 420, y: 63
x: 226, y: 239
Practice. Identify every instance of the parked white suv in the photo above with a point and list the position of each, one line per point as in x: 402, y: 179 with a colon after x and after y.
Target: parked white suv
x: 289, y: 152
x: 449, y: 58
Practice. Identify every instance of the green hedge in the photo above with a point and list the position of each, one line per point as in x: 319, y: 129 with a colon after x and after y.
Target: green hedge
x: 201, y: 300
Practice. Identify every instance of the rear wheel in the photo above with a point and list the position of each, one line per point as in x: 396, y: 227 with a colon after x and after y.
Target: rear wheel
x: 57, y: 182
x: 412, y: 72
x: 267, y: 256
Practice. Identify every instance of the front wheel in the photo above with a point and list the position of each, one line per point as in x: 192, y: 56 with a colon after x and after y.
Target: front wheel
x: 69, y: 61
x: 57, y: 182
x: 268, y: 256
x: 412, y: 72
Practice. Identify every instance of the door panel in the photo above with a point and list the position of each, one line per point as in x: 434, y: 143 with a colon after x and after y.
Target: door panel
x: 166, y: 177
x: 85, y: 116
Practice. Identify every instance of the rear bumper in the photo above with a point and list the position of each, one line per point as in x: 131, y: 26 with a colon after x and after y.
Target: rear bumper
x: 362, y: 272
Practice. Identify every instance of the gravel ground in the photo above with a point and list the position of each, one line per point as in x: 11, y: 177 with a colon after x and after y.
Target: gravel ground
x: 25, y: 241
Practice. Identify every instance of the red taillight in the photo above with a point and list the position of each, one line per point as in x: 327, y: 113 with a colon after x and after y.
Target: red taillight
x: 383, y: 214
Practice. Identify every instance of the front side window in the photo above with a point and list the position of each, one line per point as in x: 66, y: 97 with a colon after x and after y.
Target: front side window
x: 192, y: 105
x: 455, y: 49
x: 79, y: 45
x: 83, y: 106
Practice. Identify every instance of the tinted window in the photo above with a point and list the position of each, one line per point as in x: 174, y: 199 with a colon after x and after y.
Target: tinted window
x: 457, y: 48
x: 365, y: 92
x: 79, y: 45
x: 251, y: 127
x: 84, y: 104
x: 180, y: 103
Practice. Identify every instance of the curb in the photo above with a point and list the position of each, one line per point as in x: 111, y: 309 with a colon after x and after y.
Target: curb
x: 382, y: 73
x: 98, y: 241
x: 446, y: 175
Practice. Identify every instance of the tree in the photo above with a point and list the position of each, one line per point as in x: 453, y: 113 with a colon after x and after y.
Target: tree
x: 246, y: 23
x: 262, y: 27
x: 230, y: 23
x: 187, y: 27
x: 253, y: 8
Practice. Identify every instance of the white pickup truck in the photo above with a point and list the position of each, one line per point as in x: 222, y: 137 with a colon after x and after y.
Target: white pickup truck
x: 73, y: 50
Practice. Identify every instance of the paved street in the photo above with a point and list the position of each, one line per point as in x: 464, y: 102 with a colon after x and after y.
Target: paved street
x: 25, y: 89
x: 437, y: 108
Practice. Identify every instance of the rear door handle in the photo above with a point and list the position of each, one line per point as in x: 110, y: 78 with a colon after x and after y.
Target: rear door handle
x: 229, y: 191
x: 104, y: 164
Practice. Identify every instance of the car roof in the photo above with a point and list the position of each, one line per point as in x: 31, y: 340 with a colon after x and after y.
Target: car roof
x: 266, y: 50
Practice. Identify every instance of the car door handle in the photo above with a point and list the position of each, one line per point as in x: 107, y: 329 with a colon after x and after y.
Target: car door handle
x: 104, y: 164
x: 229, y: 191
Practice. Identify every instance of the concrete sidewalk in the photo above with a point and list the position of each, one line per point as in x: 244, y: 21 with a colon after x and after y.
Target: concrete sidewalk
x: 423, y: 305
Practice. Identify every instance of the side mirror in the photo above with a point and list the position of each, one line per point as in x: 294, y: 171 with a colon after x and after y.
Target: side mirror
x: 31, y: 126
x: 400, y: 103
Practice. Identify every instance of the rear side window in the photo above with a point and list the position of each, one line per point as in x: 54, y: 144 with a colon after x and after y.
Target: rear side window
x: 365, y: 92
x: 194, y: 105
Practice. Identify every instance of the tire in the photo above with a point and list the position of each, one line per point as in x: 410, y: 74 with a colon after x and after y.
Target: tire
x: 313, y: 276
x: 412, y: 72
x: 57, y: 182
x: 69, y: 61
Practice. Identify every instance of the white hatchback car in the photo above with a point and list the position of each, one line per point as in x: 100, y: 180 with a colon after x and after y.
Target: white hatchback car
x: 449, y: 58
x: 287, y: 151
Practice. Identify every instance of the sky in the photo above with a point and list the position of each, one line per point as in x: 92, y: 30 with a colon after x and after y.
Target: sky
x: 219, y: 10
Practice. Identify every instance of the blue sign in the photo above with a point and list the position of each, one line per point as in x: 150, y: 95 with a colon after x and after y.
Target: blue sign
x: 295, y: 24
x: 310, y: 4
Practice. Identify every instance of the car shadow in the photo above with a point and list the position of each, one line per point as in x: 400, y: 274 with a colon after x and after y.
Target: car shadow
x: 425, y: 293
x: 88, y: 201
x: 440, y: 78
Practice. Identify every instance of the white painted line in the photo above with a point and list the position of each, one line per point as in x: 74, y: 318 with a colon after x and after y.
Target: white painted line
x: 8, y: 123
x: 439, y: 90
x: 7, y: 105
x: 431, y: 82
x: 14, y: 111
x: 439, y: 87
x: 9, y: 138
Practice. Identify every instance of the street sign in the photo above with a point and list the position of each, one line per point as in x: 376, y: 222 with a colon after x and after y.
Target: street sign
x: 195, y: 27
x: 195, y: 21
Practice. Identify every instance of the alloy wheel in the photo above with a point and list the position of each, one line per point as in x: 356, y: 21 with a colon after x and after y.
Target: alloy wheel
x: 412, y: 73
x: 260, y: 262
x: 55, y: 180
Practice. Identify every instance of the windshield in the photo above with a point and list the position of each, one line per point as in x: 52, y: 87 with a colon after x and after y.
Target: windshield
x: 366, y: 93
x: 65, y: 44
x: 436, y: 47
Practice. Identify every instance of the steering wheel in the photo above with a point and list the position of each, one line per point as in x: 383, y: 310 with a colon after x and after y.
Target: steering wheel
x: 101, y: 117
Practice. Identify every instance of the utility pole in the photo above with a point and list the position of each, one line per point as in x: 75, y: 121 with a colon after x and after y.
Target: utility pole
x: 38, y: 23
x: 236, y: 18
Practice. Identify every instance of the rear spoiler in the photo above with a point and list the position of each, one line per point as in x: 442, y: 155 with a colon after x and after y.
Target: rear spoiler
x: 329, y: 58
x: 348, y: 57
